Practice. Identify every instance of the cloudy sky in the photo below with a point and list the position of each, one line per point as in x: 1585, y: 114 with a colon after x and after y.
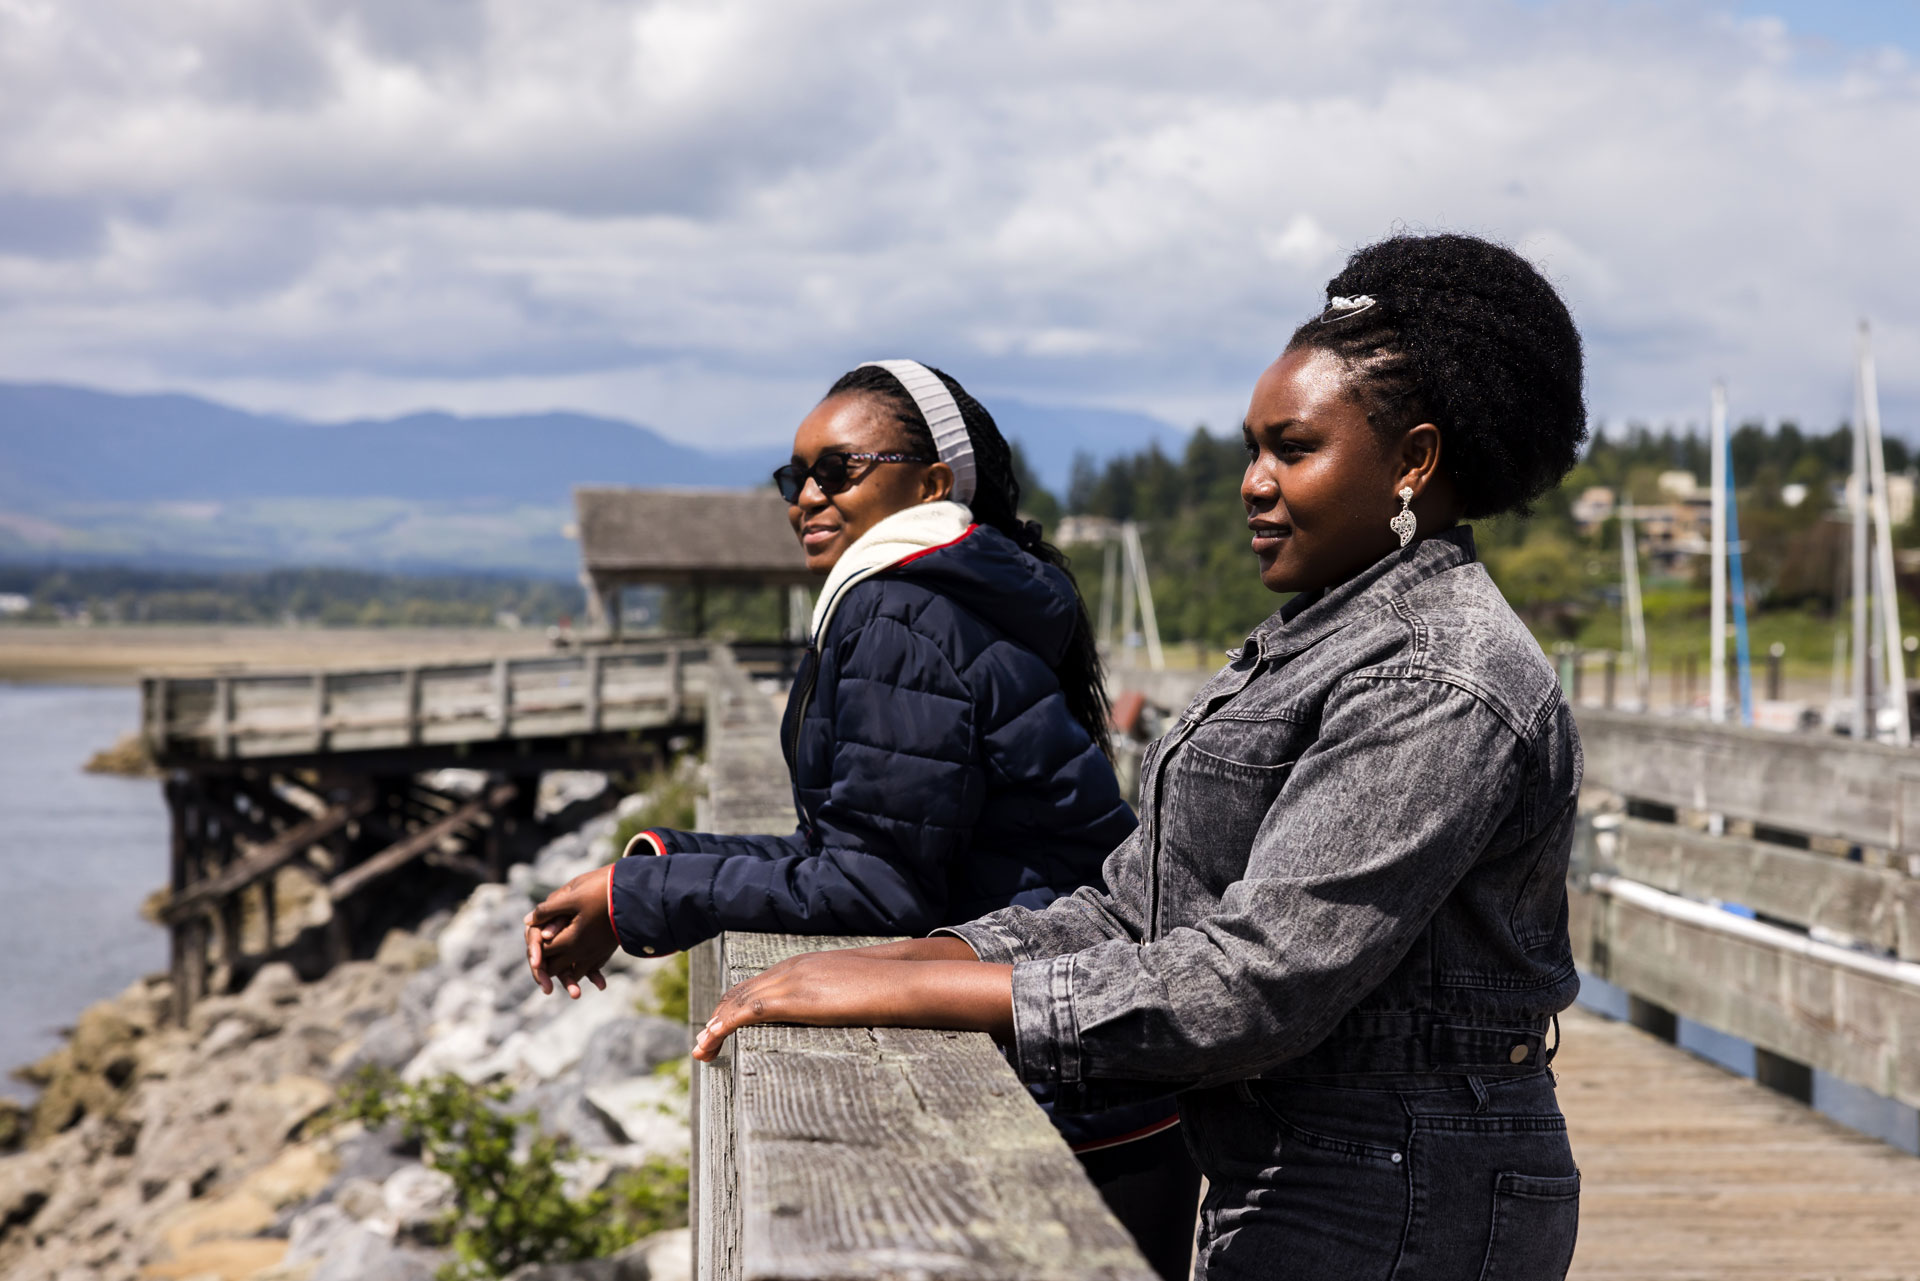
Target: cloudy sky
x: 696, y: 214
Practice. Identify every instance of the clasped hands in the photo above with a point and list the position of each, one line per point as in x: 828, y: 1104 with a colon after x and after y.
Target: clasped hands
x: 934, y: 982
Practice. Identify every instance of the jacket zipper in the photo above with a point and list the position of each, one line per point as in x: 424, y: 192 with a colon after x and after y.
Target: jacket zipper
x: 799, y: 720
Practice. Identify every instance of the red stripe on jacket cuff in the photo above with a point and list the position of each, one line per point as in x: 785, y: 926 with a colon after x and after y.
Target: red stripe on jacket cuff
x: 612, y: 922
x: 659, y: 846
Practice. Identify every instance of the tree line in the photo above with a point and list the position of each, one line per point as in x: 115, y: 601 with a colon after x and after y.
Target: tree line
x: 1194, y: 532
x: 328, y: 597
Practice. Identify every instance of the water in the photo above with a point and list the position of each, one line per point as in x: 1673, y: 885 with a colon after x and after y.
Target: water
x: 78, y: 853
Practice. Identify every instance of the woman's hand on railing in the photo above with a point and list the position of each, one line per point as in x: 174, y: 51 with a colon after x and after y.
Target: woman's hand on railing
x: 853, y: 987
x: 570, y: 934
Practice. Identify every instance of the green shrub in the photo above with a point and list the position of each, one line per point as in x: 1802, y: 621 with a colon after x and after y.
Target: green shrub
x: 670, y: 794
x: 670, y: 989
x: 512, y: 1211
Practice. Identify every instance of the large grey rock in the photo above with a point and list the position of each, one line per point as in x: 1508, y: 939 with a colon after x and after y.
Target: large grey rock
x: 506, y: 958
x: 560, y: 789
x: 371, y: 1257
x: 632, y: 1045
x: 229, y: 1034
x: 345, y: 1250
x: 489, y: 911
x: 559, y: 853
x: 372, y: 1155
x: 360, y: 1200
x: 275, y: 984
x: 563, y: 1110
x: 319, y: 1232
x: 629, y: 1264
x: 648, y: 1113
x: 26, y: 1184
x: 417, y: 1201
x: 668, y: 1255
x: 389, y: 1042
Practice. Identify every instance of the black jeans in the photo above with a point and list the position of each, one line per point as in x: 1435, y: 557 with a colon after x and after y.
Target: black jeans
x: 1152, y: 1187
x: 1403, y: 1178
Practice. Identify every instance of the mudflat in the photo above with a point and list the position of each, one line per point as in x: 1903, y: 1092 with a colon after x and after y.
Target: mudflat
x: 116, y: 654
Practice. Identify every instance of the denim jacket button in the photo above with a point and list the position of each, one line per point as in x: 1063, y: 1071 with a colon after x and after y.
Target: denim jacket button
x: 1518, y: 1054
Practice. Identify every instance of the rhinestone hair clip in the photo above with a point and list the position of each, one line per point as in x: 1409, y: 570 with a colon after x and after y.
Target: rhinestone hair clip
x: 1341, y: 307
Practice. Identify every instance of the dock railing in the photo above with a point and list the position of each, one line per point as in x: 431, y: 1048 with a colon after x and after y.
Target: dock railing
x: 1766, y: 885
x: 250, y: 714
x: 831, y: 1153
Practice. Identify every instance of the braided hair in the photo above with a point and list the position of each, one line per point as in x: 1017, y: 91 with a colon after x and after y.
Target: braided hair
x: 996, y: 503
x: 1464, y: 334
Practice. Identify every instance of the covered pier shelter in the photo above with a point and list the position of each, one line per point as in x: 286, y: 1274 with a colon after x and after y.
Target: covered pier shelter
x: 684, y: 538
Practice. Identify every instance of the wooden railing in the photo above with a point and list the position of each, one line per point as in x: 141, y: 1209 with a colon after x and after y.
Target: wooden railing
x: 249, y: 714
x: 831, y: 1153
x: 1818, y: 837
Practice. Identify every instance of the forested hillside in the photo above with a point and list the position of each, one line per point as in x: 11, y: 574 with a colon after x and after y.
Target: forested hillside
x: 1564, y: 581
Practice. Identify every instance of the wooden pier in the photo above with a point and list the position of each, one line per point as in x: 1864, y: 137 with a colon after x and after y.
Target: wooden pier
x: 328, y: 776
x: 1690, y: 1173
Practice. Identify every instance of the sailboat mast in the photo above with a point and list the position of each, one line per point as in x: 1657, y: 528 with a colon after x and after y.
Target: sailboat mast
x: 1863, y: 727
x: 1717, y: 653
x: 1888, y: 594
x: 1633, y: 621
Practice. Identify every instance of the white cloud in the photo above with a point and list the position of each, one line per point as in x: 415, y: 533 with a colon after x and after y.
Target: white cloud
x: 697, y: 214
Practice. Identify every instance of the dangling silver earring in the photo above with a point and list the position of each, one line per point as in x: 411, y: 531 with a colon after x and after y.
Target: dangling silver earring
x: 1405, y: 523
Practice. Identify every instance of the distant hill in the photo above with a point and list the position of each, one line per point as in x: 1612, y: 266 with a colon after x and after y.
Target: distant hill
x: 173, y: 479
x: 66, y: 444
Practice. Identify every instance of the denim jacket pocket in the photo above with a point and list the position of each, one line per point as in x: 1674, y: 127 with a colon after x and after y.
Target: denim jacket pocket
x: 1263, y: 745
x: 1216, y: 789
x: 1535, y: 1223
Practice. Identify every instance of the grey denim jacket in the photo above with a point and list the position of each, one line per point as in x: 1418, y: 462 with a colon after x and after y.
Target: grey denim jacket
x: 1351, y: 859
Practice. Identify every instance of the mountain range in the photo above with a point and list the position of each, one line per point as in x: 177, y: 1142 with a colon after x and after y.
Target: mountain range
x: 87, y: 475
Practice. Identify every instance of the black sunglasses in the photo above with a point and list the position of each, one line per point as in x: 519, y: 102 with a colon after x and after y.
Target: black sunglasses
x: 832, y: 471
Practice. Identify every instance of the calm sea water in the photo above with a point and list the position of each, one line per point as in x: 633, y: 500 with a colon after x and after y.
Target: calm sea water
x: 78, y: 853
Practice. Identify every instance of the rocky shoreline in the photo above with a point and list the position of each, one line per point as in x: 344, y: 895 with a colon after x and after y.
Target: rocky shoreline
x: 203, y: 1152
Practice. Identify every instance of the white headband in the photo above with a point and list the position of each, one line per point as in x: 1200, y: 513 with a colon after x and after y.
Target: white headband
x: 943, y: 419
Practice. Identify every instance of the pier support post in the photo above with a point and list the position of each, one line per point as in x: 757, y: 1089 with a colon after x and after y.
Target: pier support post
x: 1657, y: 1019
x: 1777, y: 1072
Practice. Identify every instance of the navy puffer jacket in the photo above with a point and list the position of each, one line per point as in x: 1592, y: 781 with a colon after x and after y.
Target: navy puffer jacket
x: 936, y: 769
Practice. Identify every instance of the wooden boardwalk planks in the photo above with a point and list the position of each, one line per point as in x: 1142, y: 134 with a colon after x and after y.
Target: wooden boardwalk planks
x: 1691, y: 1173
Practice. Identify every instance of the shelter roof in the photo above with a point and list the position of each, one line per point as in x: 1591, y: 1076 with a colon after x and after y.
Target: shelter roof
x: 664, y: 535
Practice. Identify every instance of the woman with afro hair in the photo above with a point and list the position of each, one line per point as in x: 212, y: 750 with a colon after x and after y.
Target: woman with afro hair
x: 1340, y: 931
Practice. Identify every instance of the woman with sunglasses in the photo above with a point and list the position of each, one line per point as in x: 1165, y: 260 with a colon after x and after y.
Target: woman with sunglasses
x: 946, y: 735
x: 1341, y: 930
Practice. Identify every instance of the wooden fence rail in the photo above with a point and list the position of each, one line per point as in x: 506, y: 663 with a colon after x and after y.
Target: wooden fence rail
x: 1817, y: 784
x: 1816, y: 963
x: 254, y: 714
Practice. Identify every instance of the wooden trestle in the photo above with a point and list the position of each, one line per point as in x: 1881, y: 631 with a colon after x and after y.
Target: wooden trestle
x: 293, y: 795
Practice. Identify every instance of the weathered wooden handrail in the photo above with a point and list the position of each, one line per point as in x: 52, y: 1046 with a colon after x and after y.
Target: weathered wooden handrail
x: 1875, y: 906
x: 888, y: 1152
x: 1646, y: 896
x: 251, y: 714
x: 830, y: 1153
x: 1814, y: 783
